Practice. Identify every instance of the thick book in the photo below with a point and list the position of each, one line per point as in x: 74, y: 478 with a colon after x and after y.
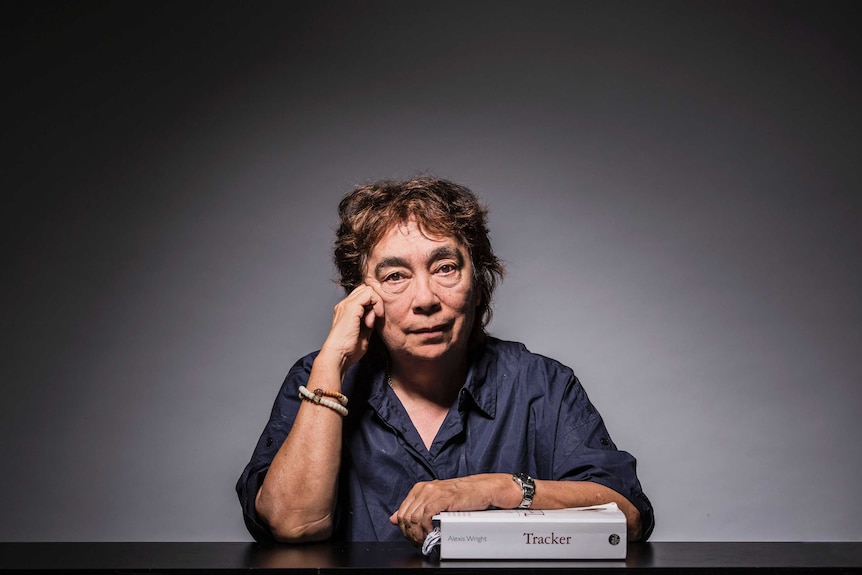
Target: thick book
x: 597, y: 532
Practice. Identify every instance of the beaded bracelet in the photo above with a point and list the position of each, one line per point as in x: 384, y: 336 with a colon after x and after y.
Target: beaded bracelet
x: 320, y: 399
x: 342, y: 399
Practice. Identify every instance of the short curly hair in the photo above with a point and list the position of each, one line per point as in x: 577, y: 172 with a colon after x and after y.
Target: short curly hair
x: 439, y: 207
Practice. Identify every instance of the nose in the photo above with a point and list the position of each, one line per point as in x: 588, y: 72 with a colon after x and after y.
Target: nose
x: 425, y: 300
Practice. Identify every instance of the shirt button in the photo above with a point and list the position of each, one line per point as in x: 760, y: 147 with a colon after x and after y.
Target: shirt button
x: 269, y: 442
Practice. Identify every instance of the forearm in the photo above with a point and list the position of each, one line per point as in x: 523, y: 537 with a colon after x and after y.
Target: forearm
x: 562, y: 494
x: 298, y: 495
x: 481, y: 491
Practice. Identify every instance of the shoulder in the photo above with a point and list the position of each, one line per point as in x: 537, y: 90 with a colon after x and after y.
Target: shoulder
x: 541, y: 381
x: 514, y: 358
x: 298, y: 373
x: 305, y: 362
x: 366, y: 369
x: 514, y: 352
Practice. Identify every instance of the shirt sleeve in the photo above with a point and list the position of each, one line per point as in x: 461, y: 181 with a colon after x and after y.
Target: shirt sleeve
x: 280, y: 422
x: 584, y: 451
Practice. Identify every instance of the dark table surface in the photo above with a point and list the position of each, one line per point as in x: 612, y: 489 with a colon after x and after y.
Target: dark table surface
x: 659, y: 557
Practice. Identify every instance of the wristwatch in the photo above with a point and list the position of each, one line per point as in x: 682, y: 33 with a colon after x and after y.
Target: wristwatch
x: 528, y: 486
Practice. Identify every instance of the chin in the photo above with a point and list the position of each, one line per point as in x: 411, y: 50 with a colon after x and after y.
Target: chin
x: 431, y: 351
x: 429, y: 355
x: 422, y: 348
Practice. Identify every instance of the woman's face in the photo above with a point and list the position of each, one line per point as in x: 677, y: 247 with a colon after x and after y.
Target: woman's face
x: 429, y: 298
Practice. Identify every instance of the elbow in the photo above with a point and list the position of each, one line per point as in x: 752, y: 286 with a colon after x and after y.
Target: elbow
x: 293, y: 525
x: 302, y: 532
x: 633, y: 524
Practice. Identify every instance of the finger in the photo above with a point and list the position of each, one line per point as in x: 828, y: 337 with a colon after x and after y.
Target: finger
x: 404, y: 527
x: 372, y: 308
x: 361, y: 296
x: 370, y: 317
x: 355, y: 305
x: 374, y: 300
x: 413, y: 532
x: 401, y: 517
x: 414, y: 523
x: 414, y: 515
x: 426, y: 523
x: 419, y: 521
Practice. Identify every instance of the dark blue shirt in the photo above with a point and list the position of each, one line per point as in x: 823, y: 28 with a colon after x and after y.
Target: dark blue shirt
x: 517, y: 411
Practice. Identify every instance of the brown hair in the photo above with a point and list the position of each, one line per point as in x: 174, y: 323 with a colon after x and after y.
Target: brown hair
x: 440, y: 208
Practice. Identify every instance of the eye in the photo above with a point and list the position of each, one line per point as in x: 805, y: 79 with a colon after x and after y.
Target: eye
x: 446, y: 269
x: 395, y: 282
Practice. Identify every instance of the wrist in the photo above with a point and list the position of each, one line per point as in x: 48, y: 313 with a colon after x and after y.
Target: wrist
x: 505, y: 493
x: 329, y: 368
x: 527, y: 487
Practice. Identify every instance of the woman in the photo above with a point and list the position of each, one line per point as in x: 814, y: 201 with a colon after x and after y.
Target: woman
x: 410, y: 408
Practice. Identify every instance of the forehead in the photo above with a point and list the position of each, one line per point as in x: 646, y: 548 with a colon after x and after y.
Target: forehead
x: 406, y: 238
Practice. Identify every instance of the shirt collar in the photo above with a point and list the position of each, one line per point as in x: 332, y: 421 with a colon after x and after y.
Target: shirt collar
x: 481, y: 384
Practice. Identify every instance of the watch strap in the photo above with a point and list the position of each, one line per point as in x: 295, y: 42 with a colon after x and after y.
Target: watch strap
x: 528, y: 488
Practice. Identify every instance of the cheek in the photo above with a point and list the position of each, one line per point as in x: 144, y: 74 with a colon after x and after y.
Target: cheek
x: 461, y: 301
x: 393, y: 311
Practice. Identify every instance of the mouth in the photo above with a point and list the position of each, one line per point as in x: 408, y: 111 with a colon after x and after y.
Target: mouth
x: 432, y: 330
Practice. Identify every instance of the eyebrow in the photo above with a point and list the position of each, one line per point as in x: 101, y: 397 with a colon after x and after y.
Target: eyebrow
x: 438, y: 254
x: 390, y: 263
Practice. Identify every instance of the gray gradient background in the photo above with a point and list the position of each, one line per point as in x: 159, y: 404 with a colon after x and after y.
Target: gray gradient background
x: 674, y: 187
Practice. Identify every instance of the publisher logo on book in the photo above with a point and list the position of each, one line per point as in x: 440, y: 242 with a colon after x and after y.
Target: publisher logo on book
x: 614, y: 539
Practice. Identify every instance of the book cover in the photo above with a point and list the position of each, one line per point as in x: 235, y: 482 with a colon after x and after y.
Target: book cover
x: 597, y: 532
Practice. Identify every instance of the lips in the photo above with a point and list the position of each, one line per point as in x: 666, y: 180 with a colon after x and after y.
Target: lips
x: 432, y: 329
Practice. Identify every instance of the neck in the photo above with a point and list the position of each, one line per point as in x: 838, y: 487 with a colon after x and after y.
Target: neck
x: 437, y: 381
